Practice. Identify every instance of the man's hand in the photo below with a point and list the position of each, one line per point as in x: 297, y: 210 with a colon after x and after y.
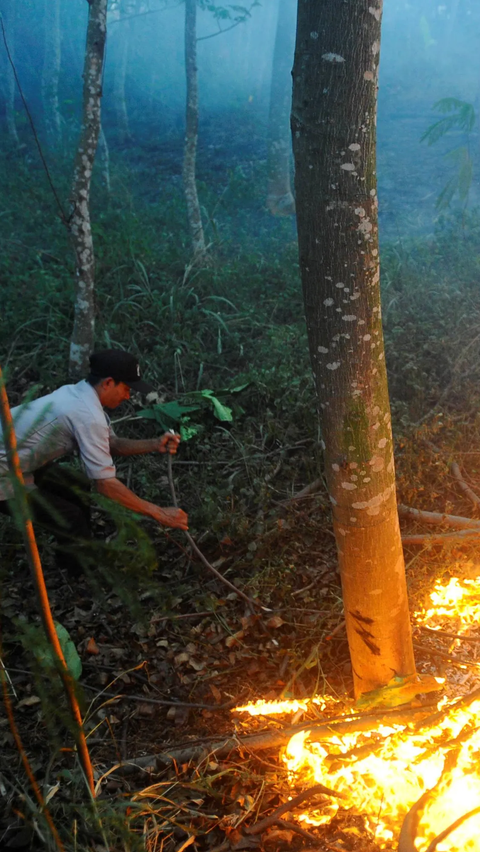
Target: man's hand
x: 177, y: 519
x: 169, y: 443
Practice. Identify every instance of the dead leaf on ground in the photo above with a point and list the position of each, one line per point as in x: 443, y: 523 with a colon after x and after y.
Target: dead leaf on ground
x: 92, y: 647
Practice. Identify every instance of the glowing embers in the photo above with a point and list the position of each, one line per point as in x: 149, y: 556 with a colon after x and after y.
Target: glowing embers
x: 383, y: 772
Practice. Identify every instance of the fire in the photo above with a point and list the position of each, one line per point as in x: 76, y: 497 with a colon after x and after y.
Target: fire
x: 381, y: 773
x: 289, y: 705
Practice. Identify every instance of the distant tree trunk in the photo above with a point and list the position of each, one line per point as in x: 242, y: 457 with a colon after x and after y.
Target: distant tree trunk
x: 333, y: 128
x: 104, y: 159
x: 191, y: 134
x: 51, y: 72
x: 84, y: 323
x: 280, y: 200
x: 9, y: 84
x: 120, y: 79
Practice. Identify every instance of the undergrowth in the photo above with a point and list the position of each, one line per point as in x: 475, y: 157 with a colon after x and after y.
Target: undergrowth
x: 239, y: 322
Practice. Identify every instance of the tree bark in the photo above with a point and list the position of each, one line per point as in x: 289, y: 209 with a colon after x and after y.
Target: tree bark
x: 191, y: 134
x: 333, y: 126
x: 280, y: 201
x: 84, y: 323
x: 51, y: 72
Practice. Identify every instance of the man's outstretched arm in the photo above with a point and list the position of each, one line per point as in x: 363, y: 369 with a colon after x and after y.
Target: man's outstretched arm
x: 168, y: 443
x: 117, y: 491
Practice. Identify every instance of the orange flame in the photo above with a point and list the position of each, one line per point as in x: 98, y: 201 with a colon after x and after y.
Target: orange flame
x: 384, y: 771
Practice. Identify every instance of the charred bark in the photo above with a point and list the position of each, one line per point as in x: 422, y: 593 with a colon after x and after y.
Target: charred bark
x: 84, y: 323
x: 333, y: 127
x: 194, y: 213
x: 280, y: 201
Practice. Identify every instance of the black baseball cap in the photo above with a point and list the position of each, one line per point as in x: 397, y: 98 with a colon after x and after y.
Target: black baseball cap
x: 121, y: 366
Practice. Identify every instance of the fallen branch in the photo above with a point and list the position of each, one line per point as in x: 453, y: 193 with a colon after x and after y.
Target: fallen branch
x: 455, y: 521
x: 443, y: 834
x: 292, y: 826
x: 408, y: 832
x: 292, y: 803
x: 441, y: 538
x: 199, y: 750
x: 455, y: 471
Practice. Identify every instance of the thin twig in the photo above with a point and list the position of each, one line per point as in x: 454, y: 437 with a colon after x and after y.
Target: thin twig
x: 434, y: 632
x: 433, y: 652
x: 160, y: 701
x: 199, y: 553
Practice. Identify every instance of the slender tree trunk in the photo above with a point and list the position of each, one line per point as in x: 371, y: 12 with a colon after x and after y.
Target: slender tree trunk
x: 280, y: 200
x: 333, y: 127
x: 9, y: 84
x: 120, y: 79
x: 84, y: 324
x: 51, y: 72
x: 191, y: 134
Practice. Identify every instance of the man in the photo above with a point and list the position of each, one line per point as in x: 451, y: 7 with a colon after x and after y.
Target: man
x: 72, y: 418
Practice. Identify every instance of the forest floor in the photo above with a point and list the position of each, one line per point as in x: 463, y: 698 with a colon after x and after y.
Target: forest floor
x: 168, y: 656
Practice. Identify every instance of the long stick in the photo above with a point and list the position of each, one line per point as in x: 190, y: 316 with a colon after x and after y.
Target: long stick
x: 199, y: 553
x: 39, y: 581
x: 455, y: 521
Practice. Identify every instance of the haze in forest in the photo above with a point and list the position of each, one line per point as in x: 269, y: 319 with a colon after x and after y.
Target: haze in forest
x: 429, y: 52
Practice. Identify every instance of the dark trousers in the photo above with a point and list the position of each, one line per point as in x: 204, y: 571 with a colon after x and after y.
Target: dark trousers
x: 61, y: 505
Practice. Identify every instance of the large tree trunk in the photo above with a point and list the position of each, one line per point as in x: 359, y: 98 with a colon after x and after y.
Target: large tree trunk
x: 191, y: 134
x: 8, y: 27
x: 280, y: 200
x: 51, y: 72
x: 84, y: 323
x: 333, y: 128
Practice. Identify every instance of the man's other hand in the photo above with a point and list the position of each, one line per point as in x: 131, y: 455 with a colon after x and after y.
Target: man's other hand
x: 177, y: 519
x: 169, y: 442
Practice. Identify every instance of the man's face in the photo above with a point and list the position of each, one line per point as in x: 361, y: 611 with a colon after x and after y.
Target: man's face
x: 113, y: 394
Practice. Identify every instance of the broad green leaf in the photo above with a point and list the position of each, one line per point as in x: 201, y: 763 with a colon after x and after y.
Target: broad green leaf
x: 44, y: 654
x: 222, y: 412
